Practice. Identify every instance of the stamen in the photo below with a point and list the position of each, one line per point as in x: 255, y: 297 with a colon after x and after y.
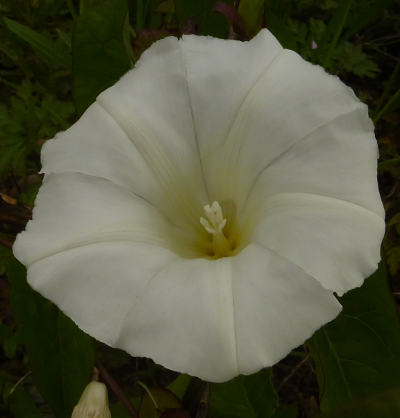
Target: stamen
x: 214, y: 224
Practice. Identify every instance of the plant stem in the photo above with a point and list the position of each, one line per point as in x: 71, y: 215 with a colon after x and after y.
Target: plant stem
x: 114, y: 386
x: 388, y: 86
x: 387, y: 106
x: 342, y: 17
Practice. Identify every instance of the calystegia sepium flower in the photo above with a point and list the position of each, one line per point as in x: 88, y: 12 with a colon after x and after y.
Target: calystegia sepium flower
x: 205, y: 210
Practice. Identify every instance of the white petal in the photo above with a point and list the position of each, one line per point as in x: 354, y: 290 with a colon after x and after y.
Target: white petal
x: 337, y: 160
x: 220, y: 75
x: 149, y: 129
x: 277, y: 307
x: 151, y: 105
x: 97, y: 146
x: 185, y: 319
x: 291, y: 100
x: 97, y: 284
x: 72, y: 210
x: 140, y: 134
x: 334, y: 241
x: 212, y: 319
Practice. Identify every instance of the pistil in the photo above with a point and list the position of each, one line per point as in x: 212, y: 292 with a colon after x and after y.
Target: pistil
x: 214, y: 224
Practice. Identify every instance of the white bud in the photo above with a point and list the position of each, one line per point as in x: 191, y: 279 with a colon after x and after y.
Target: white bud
x: 93, y: 402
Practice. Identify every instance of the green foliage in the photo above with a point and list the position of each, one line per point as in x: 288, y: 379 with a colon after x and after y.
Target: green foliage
x: 349, y: 58
x: 207, y: 22
x: 60, y: 355
x: 55, y: 54
x: 381, y: 405
x: 356, y: 355
x: 21, y: 404
x: 161, y: 399
x: 100, y: 57
x: 320, y: 41
x: 252, y: 12
x: 179, y: 386
x: 245, y: 396
x: 32, y: 116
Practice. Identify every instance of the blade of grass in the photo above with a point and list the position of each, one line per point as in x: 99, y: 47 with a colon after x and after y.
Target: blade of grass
x: 336, y: 27
x: 387, y: 106
x: 388, y: 87
x: 41, y: 44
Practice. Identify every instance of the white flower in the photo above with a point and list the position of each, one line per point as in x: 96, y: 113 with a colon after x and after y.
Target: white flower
x: 93, y: 402
x: 205, y: 208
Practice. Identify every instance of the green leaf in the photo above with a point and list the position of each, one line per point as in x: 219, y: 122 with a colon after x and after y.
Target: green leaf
x: 281, y: 30
x: 382, y: 405
x: 366, y: 13
x: 245, y: 396
x: 207, y: 21
x: 22, y: 405
x: 43, y: 45
x: 60, y: 355
x: 164, y: 400
x: 350, y: 58
x: 118, y: 410
x: 99, y: 54
x: 252, y: 12
x: 392, y: 105
x: 357, y: 354
x: 179, y: 386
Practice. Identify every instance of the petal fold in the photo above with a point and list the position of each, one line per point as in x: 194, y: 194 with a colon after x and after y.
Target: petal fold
x: 334, y: 241
x: 277, y: 307
x: 72, y: 210
x: 337, y: 160
x: 291, y: 100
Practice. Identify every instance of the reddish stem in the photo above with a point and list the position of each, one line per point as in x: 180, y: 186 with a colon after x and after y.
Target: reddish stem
x: 114, y: 386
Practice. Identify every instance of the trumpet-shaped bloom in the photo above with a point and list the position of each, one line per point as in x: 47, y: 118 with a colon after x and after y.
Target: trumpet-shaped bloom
x: 204, y: 210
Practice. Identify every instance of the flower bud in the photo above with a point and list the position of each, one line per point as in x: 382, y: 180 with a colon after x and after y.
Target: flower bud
x: 93, y: 402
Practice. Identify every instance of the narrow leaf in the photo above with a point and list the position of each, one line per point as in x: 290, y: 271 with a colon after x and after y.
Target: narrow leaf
x: 44, y: 46
x: 60, y: 355
x: 335, y: 29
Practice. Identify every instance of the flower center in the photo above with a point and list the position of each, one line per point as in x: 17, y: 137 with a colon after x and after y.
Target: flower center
x: 214, y: 223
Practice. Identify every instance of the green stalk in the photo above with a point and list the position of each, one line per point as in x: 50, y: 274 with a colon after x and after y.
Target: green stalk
x: 388, y: 87
x: 341, y: 16
x: 387, y: 106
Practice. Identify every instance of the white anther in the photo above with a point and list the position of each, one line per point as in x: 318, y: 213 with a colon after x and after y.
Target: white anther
x: 215, y: 221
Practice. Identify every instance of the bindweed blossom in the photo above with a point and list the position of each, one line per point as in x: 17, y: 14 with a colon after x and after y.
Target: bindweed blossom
x: 93, y: 402
x: 205, y: 209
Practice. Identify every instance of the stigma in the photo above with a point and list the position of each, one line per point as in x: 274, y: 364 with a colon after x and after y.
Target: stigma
x: 214, y: 224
